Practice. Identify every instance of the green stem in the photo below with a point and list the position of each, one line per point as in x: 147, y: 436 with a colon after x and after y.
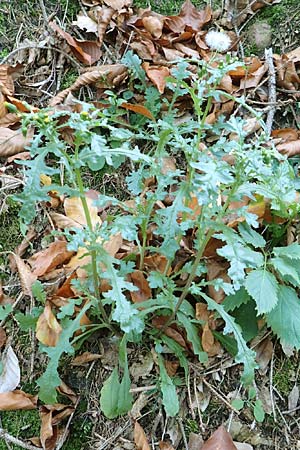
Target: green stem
x: 93, y: 253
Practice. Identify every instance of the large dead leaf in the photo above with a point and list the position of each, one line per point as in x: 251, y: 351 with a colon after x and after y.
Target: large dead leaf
x: 53, y: 256
x: 157, y: 74
x: 48, y: 329
x: 106, y: 76
x: 193, y: 17
x: 11, y: 401
x: 87, y: 52
x: 75, y: 211
x: 220, y: 440
x: 144, y: 291
x: 10, y: 375
x: 140, y: 438
x: 51, y: 416
x: 13, y: 141
x: 289, y: 148
x: 27, y: 278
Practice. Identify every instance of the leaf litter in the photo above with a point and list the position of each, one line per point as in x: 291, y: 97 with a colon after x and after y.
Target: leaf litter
x: 158, y: 40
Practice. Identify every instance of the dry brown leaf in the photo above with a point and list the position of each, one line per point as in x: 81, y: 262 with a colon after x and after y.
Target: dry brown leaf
x: 61, y: 221
x: 264, y: 352
x: 51, y: 416
x: 171, y: 367
x: 65, y: 390
x: 195, y: 441
x: 11, y: 401
x: 104, y: 16
x: 194, y: 18
x: 106, y: 75
x: 117, y: 5
x: 138, y: 109
x: 3, y: 336
x: 75, y: 211
x: 85, y: 23
x: 217, y: 269
x: 159, y: 322
x: 85, y: 358
x: 87, y: 52
x: 165, y: 446
x: 289, y: 148
x: 48, y: 329
x: 286, y: 134
x: 156, y: 262
x: 253, y: 79
x: 140, y: 438
x: 220, y: 440
x: 144, y: 291
x: 27, y: 278
x: 210, y: 345
x: 13, y: 141
x: 154, y: 23
x: 50, y: 258
x: 157, y: 74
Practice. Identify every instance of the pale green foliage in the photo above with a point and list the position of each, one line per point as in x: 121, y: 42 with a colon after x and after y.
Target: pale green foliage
x: 103, y: 138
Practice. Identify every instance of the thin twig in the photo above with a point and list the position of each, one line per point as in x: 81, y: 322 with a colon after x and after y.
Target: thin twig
x: 44, y: 12
x: 220, y: 397
x: 8, y: 437
x: 272, y: 89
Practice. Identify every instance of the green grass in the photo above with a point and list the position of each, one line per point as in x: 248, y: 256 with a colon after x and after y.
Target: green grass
x: 170, y: 7
x: 10, y: 235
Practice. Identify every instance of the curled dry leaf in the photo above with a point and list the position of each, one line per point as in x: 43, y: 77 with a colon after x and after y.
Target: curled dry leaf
x: 165, y: 446
x: 157, y: 74
x: 140, y: 438
x: 106, y: 75
x: 48, y: 329
x: 104, y: 16
x: 11, y: 401
x: 85, y: 358
x: 53, y: 256
x: 220, y: 440
x: 75, y: 211
x: 27, y: 278
x: 289, y: 148
x: 154, y: 23
x: 65, y: 390
x: 11, y: 374
x: 51, y: 416
x: 13, y: 141
x: 87, y: 52
x: 85, y: 23
x: 144, y: 291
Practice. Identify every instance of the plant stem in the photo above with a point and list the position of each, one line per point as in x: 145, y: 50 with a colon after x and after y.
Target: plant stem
x: 93, y: 253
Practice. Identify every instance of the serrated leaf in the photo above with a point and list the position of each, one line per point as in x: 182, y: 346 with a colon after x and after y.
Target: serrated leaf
x: 251, y: 236
x: 262, y: 286
x: 169, y: 395
x: 235, y: 300
x: 193, y: 336
x: 287, y: 270
x: 291, y: 251
x: 284, y: 319
x: 50, y: 379
x: 244, y: 354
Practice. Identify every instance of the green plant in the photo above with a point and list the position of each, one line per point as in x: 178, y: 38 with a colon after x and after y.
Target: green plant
x: 262, y: 277
x: 252, y: 403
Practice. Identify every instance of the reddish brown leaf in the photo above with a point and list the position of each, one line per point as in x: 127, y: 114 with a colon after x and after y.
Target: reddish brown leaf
x: 48, y: 329
x: 165, y: 446
x: 13, y: 141
x: 287, y: 134
x: 88, y: 52
x: 171, y: 367
x: 26, y: 277
x: 194, y: 18
x: 156, y: 262
x: 3, y: 336
x: 51, y: 416
x: 289, y: 148
x: 10, y: 401
x: 154, y: 23
x: 85, y: 358
x: 65, y: 390
x: 220, y: 440
x: 138, y: 109
x: 140, y: 438
x: 53, y: 256
x: 210, y: 345
x: 157, y: 74
x: 159, y: 322
x: 144, y: 291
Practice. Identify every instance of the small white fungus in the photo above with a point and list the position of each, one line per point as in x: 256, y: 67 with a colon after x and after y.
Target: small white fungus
x: 218, y: 40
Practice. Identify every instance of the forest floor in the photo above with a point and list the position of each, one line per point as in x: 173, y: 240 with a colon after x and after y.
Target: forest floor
x: 23, y: 24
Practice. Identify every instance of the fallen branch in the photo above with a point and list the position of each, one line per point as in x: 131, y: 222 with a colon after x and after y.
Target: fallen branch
x: 272, y: 89
x: 7, y: 437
